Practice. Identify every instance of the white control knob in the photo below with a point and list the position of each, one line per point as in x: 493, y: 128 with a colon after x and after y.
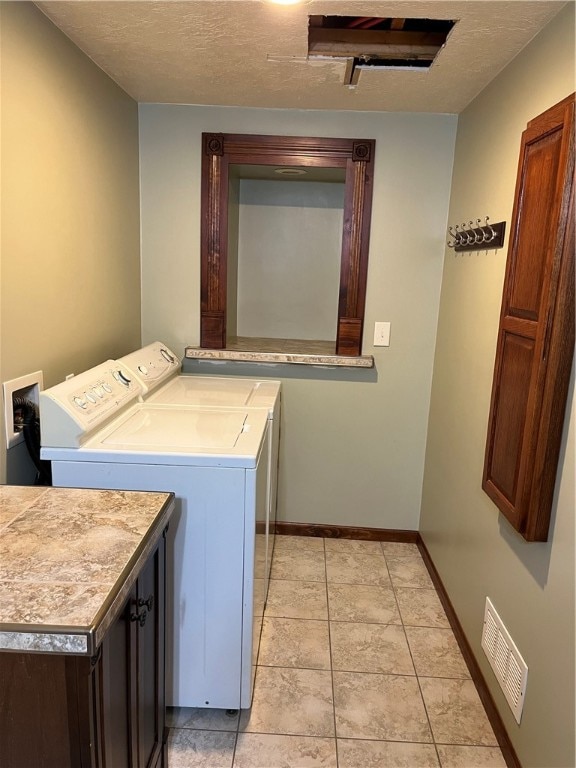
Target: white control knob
x: 90, y: 397
x: 80, y: 402
x: 166, y: 355
x: 107, y: 388
x: 121, y: 377
x: 99, y: 391
x: 143, y: 370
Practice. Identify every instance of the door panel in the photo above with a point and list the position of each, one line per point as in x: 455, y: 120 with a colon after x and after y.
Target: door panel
x: 536, y: 337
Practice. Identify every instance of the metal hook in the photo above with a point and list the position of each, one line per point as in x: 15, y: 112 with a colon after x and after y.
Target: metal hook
x: 494, y: 233
x: 478, y: 234
x: 487, y: 236
x: 454, y: 242
x: 469, y: 240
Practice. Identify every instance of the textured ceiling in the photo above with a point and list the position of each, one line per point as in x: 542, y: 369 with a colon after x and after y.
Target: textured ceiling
x: 253, y: 54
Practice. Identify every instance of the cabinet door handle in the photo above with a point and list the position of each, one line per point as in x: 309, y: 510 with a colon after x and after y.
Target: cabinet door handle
x: 139, y: 617
x: 148, y: 603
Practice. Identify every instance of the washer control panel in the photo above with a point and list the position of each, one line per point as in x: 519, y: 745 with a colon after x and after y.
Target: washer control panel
x: 152, y: 365
x: 71, y: 410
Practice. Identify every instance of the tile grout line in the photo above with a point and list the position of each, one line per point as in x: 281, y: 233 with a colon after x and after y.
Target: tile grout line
x: 330, y: 651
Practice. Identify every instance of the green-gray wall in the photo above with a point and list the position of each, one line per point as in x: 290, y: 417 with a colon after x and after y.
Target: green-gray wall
x: 70, y: 261
x: 352, y: 443
x: 475, y: 550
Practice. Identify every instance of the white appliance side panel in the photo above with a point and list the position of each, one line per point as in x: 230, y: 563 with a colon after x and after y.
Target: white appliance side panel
x: 255, y: 548
x: 273, y: 468
x: 205, y: 572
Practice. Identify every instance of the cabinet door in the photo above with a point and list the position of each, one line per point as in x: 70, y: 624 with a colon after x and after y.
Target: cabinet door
x: 150, y: 703
x: 115, y: 712
x: 46, y: 711
x: 536, y: 335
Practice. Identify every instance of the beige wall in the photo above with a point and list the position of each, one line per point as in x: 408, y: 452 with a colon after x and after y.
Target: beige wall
x: 352, y: 443
x: 475, y: 550
x: 70, y: 291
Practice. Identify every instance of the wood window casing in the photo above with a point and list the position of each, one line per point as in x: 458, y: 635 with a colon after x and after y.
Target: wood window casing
x: 536, y: 336
x: 356, y: 157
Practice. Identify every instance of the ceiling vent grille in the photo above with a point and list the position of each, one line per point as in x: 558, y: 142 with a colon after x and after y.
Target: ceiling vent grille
x: 509, y: 667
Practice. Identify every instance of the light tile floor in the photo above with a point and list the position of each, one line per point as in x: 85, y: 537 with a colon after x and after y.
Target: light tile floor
x: 358, y: 668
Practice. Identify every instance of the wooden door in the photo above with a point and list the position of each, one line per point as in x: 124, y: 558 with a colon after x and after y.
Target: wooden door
x: 536, y: 336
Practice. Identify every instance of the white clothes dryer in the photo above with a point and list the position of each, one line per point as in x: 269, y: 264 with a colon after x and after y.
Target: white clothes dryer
x: 158, y: 370
x: 97, y: 434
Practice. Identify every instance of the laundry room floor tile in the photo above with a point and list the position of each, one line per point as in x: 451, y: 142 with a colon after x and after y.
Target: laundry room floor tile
x: 295, y: 643
x: 297, y: 599
x: 303, y: 565
x: 201, y: 719
x: 353, y: 545
x: 350, y: 675
x: 355, y: 568
x: 298, y: 543
x: 292, y: 702
x: 452, y: 756
x: 421, y: 608
x: 456, y: 712
x: 408, y: 572
x: 370, y: 648
x: 200, y: 749
x: 356, y: 753
x: 362, y: 603
x: 399, y: 549
x: 379, y: 707
x: 436, y: 652
x: 264, y: 750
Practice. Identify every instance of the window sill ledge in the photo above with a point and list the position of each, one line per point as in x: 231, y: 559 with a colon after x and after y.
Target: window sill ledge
x: 275, y: 351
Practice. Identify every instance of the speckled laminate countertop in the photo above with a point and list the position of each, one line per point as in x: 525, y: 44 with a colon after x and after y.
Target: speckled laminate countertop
x: 68, y: 559
x: 275, y: 351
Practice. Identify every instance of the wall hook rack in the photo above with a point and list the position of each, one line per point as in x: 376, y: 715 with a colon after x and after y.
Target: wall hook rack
x: 476, y: 237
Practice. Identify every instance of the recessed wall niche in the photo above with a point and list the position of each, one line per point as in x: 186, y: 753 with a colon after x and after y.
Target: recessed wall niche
x: 284, y: 259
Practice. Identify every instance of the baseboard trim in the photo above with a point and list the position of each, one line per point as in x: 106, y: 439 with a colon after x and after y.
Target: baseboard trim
x: 413, y: 537
x: 496, y: 722
x: 346, y: 532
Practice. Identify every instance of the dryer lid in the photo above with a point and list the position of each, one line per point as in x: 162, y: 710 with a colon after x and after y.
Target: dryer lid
x: 218, y: 391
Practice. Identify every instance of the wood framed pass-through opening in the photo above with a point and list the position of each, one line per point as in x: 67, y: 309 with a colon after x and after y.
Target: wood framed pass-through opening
x: 346, y: 161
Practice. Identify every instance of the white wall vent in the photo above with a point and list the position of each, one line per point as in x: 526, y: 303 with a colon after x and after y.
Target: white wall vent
x: 509, y: 667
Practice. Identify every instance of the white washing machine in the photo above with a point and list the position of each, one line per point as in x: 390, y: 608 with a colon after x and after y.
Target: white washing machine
x: 97, y: 433
x: 158, y: 370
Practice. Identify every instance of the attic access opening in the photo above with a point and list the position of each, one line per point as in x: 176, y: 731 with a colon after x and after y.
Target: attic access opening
x: 376, y: 42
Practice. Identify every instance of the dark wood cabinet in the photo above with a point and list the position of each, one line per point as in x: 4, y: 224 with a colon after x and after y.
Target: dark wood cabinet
x: 536, y: 336
x: 107, y: 711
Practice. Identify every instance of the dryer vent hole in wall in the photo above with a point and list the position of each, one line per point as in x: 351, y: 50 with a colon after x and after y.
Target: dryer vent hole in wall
x: 26, y: 387
x: 508, y: 665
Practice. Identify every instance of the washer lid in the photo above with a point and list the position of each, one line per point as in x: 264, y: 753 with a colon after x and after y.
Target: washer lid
x: 224, y: 436
x: 189, y: 389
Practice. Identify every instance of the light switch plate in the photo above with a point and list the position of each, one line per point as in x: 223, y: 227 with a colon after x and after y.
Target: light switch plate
x: 381, y: 334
